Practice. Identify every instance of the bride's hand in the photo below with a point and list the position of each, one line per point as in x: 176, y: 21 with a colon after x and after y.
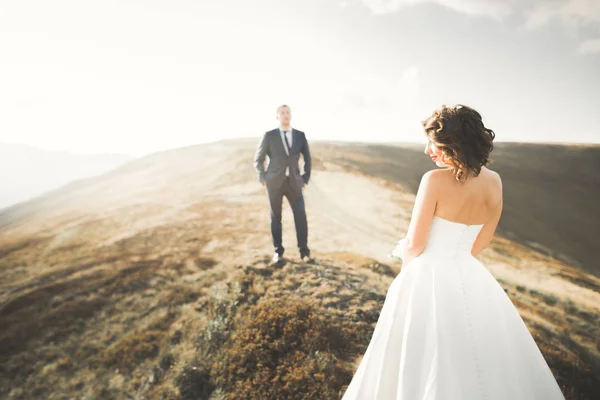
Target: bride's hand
x: 398, y: 251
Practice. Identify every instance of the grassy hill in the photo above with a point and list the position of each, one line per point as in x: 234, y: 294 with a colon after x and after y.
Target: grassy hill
x: 153, y: 281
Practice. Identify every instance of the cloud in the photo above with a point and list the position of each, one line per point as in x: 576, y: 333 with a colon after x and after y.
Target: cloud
x: 590, y: 46
x: 493, y: 8
x: 537, y: 12
x: 575, y: 14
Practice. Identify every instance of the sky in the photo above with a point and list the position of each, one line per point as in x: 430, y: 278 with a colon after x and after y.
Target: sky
x: 137, y: 77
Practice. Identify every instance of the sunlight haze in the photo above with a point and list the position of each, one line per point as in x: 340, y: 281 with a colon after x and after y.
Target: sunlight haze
x: 136, y: 77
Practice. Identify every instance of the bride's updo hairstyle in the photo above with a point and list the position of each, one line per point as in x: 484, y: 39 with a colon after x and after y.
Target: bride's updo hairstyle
x: 465, y: 143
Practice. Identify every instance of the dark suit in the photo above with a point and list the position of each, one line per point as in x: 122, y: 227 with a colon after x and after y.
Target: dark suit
x: 279, y: 185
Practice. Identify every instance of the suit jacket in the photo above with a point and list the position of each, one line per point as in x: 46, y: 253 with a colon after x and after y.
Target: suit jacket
x: 272, y: 145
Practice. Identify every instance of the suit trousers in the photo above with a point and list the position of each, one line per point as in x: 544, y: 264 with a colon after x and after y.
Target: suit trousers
x: 296, y: 200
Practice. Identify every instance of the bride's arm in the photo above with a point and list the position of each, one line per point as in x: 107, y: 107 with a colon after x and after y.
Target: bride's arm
x: 487, y: 232
x: 422, y: 217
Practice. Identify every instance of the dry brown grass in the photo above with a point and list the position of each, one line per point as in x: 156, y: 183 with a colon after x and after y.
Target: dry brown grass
x: 133, y: 349
x: 70, y: 326
x: 263, y: 340
x: 289, y: 331
x: 567, y: 336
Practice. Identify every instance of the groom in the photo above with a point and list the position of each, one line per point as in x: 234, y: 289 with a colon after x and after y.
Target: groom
x: 283, y: 145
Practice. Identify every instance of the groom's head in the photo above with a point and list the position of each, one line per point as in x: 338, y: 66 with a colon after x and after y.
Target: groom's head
x: 284, y: 114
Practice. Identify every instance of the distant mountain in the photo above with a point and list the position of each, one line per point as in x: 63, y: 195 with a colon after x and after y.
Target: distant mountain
x: 27, y: 171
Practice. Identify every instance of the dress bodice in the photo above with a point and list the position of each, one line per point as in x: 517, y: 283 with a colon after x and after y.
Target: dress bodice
x: 446, y: 235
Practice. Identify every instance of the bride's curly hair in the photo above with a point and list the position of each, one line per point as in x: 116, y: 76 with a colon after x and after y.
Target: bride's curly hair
x: 465, y: 143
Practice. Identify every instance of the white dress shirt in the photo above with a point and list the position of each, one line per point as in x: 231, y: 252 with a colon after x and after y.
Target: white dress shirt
x: 289, y: 138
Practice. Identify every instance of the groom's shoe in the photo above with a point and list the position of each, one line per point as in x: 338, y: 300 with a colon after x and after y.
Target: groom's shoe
x: 277, y: 257
x: 307, y: 259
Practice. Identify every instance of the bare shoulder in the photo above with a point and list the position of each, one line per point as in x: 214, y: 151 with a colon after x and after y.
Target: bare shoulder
x: 438, y: 177
x: 436, y: 174
x: 430, y: 177
x: 435, y: 179
x: 493, y: 176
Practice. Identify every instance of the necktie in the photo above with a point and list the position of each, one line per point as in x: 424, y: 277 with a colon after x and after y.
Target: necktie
x: 286, y: 140
x: 287, y: 169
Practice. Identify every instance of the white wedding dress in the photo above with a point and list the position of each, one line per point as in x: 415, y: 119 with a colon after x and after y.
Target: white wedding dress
x: 448, y: 331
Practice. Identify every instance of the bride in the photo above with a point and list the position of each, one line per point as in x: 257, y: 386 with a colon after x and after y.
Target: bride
x: 447, y: 329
